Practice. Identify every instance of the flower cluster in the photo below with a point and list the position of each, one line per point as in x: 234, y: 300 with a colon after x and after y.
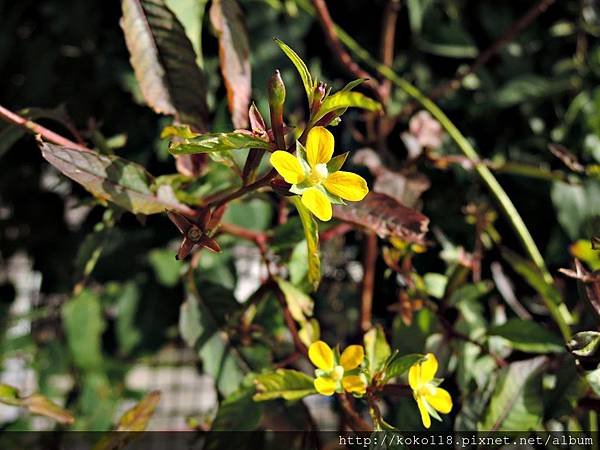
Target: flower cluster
x: 338, y: 373
x: 316, y: 176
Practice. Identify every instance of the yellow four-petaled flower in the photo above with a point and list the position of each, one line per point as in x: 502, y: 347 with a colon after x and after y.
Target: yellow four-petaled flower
x: 316, y: 178
x: 332, y: 372
x: 430, y: 398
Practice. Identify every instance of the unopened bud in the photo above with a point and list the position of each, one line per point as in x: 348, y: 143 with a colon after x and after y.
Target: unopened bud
x: 276, y: 90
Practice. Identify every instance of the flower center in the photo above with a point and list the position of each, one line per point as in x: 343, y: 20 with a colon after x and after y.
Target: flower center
x: 337, y: 373
x: 427, y: 389
x: 318, y: 174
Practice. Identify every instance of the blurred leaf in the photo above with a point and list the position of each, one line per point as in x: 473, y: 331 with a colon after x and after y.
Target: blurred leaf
x: 576, y: 206
x: 164, y: 61
x: 343, y: 100
x: 527, y: 87
x: 416, y: 13
x: 228, y: 21
x: 200, y: 328
x: 167, y: 269
x: 307, y: 81
x: 84, y: 324
x: 532, y: 275
x: 238, y: 412
x: 582, y: 249
x: 528, y: 336
x: 311, y: 234
x: 386, y: 217
x: 299, y: 304
x: 283, y: 383
x: 398, y: 365
x: 446, y: 39
x: 122, y: 182
x: 138, y: 417
x: 128, y: 335
x: 377, y: 349
x: 253, y: 214
x: 35, y: 403
x: 585, y: 344
x: 593, y: 378
x: 517, y: 400
x: 218, y: 142
x: 435, y: 284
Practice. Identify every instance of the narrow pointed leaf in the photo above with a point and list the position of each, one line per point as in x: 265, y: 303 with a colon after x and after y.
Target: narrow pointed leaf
x: 344, y: 99
x: 300, y: 65
x: 286, y: 384
x: 218, y: 142
x: 311, y: 234
x: 228, y: 21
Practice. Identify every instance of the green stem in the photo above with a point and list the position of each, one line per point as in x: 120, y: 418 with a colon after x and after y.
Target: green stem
x: 469, y: 151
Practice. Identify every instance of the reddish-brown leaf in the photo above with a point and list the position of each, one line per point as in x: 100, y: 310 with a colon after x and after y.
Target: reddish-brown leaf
x: 227, y: 19
x: 385, y: 216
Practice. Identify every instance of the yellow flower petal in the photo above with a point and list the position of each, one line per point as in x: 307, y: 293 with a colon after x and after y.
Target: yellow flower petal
x: 319, y: 146
x: 321, y: 355
x: 317, y: 203
x: 440, y: 400
x: 428, y: 368
x: 347, y: 185
x: 414, y: 376
x: 325, y: 385
x: 424, y: 413
x: 288, y: 167
x: 352, y: 356
x: 354, y: 384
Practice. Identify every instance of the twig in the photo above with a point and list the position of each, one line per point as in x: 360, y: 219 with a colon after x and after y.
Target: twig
x: 515, y: 29
x: 388, y: 38
x: 357, y: 423
x: 35, y: 128
x: 366, y: 299
x: 334, y: 231
x: 261, y: 182
x: 338, y: 49
x: 289, y: 321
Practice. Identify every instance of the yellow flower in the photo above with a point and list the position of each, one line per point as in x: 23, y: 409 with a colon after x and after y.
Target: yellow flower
x: 316, y: 177
x: 338, y: 374
x: 430, y: 398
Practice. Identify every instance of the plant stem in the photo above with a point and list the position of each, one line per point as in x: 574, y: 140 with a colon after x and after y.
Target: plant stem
x: 469, y: 151
x: 369, y: 263
x: 35, y: 128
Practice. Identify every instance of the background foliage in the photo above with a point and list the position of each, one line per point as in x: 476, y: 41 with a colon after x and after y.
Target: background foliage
x: 112, y: 293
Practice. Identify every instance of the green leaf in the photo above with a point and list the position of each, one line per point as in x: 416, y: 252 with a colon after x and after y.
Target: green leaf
x: 164, y: 61
x: 309, y: 84
x: 342, y: 100
x: 167, y: 270
x: 128, y: 335
x: 528, y: 87
x: 84, y: 324
x: 516, y: 404
x: 377, y: 349
x: 238, y: 412
x: 254, y: 214
x: 111, y: 178
x: 528, y: 336
x: 299, y: 304
x: 585, y: 344
x: 283, y: 383
x: 397, y: 365
x: 311, y: 234
x: 337, y: 162
x: 218, y: 142
x: 435, y: 284
x: 416, y: 13
x: 449, y: 40
x: 228, y: 21
x: 199, y: 327
x: 137, y: 417
x: 593, y: 379
x: 576, y: 206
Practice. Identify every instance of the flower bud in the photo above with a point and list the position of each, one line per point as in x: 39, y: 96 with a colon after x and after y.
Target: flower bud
x: 318, y: 97
x: 276, y: 91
